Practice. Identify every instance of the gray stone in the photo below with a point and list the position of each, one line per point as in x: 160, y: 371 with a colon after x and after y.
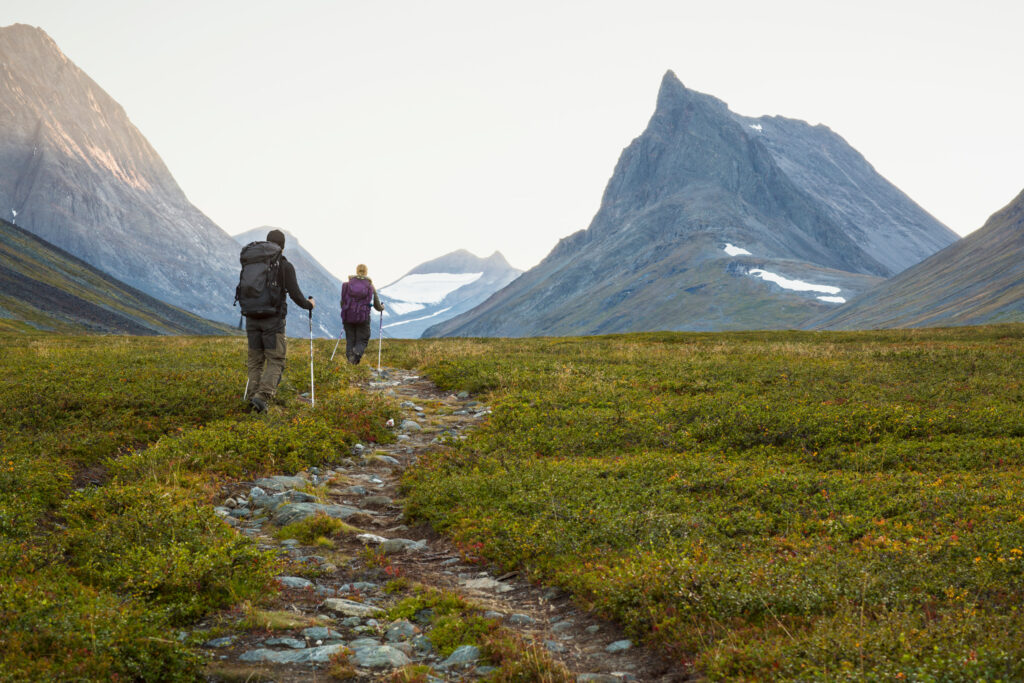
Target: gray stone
x: 257, y: 492
x: 356, y: 490
x: 592, y: 629
x: 463, y: 394
x: 293, y: 643
x: 562, y: 626
x: 351, y: 608
x: 296, y: 512
x: 321, y: 633
x: 554, y: 646
x: 380, y: 657
x: 520, y: 620
x: 281, y: 483
x: 310, y: 655
x: 226, y: 641
x: 377, y: 501
x: 491, y: 614
x: 463, y: 656
x: 294, y: 582
x: 388, y: 460
x: 275, y: 500
x: 619, y: 646
x: 401, y: 630
x: 222, y: 511
x: 230, y: 503
x: 351, y: 622
x: 598, y: 678
x: 422, y: 644
x: 290, y: 542
x: 399, y: 545
x: 410, y: 426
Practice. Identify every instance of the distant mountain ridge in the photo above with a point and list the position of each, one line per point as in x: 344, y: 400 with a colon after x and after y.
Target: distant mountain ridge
x: 789, y: 200
x: 978, y: 280
x: 43, y: 287
x: 77, y: 173
x: 441, y: 288
x: 314, y: 280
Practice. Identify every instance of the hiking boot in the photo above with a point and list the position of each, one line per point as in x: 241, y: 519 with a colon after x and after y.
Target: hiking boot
x: 258, y: 404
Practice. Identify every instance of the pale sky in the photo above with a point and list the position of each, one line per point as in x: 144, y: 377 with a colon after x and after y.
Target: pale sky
x: 393, y: 131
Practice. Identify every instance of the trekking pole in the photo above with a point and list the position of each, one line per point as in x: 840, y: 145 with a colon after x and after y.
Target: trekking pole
x: 380, y: 339
x: 246, y: 392
x: 312, y: 389
x: 340, y: 335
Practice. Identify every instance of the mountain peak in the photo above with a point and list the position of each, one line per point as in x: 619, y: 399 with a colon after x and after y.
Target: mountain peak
x: 672, y: 95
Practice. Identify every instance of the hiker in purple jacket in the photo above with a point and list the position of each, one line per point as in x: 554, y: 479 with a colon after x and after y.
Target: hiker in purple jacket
x: 357, y: 296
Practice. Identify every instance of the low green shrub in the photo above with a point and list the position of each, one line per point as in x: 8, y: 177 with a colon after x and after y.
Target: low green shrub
x: 55, y: 628
x: 159, y: 546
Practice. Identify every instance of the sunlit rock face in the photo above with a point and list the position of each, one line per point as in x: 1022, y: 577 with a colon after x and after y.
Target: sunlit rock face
x: 698, y: 188
x: 77, y: 173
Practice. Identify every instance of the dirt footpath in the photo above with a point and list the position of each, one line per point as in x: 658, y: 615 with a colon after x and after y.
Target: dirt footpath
x: 338, y: 602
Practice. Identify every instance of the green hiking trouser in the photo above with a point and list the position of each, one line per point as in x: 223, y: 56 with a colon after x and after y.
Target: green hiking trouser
x: 266, y: 355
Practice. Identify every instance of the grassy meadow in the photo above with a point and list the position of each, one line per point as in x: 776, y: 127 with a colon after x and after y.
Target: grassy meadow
x: 783, y: 505
x: 112, y: 451
x: 838, y: 506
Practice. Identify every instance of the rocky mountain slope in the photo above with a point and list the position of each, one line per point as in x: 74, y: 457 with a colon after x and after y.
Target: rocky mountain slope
x: 440, y: 289
x: 979, y: 279
x: 713, y: 221
x: 43, y: 287
x: 314, y: 280
x: 76, y: 172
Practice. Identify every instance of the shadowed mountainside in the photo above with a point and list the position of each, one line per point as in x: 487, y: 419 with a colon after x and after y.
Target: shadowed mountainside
x: 978, y: 280
x: 43, y: 287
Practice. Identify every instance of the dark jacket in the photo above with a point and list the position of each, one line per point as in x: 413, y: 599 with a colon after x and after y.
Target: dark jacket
x: 291, y: 285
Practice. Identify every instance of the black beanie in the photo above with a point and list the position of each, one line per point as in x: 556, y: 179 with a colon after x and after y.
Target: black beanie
x: 277, y: 237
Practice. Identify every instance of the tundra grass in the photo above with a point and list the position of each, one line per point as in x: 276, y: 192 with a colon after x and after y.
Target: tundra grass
x: 113, y: 449
x: 784, y: 506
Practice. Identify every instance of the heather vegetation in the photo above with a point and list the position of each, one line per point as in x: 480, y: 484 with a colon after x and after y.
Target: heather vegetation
x: 758, y: 505
x: 755, y: 505
x: 113, y: 449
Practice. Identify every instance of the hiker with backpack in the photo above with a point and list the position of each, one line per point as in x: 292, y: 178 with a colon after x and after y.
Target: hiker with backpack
x: 357, y: 296
x: 266, y: 277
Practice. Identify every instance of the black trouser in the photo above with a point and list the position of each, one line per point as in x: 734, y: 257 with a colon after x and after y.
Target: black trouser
x: 357, y: 336
x: 266, y: 355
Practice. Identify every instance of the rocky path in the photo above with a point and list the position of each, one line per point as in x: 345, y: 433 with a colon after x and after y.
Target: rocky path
x: 334, y: 598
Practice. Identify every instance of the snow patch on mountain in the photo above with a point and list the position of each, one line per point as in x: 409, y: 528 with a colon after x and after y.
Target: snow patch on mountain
x: 403, y: 307
x: 794, y: 285
x: 425, y: 317
x: 733, y: 250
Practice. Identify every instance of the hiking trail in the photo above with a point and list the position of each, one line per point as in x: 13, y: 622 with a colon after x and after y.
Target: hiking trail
x: 343, y: 606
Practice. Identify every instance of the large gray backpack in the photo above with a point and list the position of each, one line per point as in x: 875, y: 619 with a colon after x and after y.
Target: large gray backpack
x: 260, y: 291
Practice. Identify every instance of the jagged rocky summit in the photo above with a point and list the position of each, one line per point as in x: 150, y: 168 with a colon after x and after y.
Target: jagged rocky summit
x: 76, y: 172
x: 978, y: 280
x: 440, y: 289
x: 314, y: 279
x: 715, y: 221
